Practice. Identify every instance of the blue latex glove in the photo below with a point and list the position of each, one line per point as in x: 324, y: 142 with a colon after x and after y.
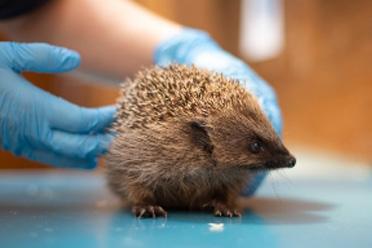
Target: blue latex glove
x: 40, y: 126
x: 192, y: 46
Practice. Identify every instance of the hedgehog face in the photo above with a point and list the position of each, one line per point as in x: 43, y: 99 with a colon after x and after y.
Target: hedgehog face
x: 241, y: 141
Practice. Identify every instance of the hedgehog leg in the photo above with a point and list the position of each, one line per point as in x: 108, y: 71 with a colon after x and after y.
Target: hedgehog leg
x: 223, y: 205
x: 221, y: 209
x: 143, y: 203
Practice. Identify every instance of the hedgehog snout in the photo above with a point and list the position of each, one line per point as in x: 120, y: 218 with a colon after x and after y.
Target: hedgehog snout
x: 287, y: 161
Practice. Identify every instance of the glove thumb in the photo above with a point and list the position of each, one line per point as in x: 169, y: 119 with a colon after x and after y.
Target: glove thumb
x: 39, y: 57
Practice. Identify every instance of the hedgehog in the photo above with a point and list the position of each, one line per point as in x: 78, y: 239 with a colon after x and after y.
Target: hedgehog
x: 188, y: 138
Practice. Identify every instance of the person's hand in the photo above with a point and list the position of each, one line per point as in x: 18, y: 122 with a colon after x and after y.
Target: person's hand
x: 40, y: 126
x: 195, y: 47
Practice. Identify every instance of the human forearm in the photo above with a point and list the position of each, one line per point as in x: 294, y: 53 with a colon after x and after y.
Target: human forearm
x: 115, y: 38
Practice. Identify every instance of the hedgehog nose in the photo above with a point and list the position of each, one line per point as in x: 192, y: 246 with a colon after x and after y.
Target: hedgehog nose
x: 291, y: 162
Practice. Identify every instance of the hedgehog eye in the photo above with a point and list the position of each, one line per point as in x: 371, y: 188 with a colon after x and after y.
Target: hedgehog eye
x: 256, y: 147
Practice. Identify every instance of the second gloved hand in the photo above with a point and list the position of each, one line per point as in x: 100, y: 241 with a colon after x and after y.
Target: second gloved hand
x: 40, y: 126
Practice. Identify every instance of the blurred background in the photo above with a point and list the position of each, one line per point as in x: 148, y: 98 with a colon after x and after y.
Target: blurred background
x: 316, y: 54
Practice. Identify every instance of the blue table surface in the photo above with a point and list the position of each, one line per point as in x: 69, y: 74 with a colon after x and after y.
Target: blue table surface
x: 329, y: 208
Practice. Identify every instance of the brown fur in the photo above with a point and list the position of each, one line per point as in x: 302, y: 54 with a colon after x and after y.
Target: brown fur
x: 182, y: 138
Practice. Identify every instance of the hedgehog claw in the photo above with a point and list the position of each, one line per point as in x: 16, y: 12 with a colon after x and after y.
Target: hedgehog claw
x: 160, y: 211
x: 228, y: 213
x: 237, y: 213
x: 151, y: 211
x: 141, y: 213
x: 217, y: 213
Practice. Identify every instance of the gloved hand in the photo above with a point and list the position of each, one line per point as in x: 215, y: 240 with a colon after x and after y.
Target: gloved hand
x: 42, y: 127
x: 191, y: 46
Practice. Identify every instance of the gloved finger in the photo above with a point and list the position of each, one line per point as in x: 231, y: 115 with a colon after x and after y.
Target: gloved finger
x: 68, y: 117
x: 39, y: 57
x: 77, y: 145
x: 50, y: 158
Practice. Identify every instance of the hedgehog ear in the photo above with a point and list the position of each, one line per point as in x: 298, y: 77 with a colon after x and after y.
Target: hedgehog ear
x: 200, y: 136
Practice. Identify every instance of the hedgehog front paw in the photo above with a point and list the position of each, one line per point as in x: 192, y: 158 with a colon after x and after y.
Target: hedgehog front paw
x: 148, y: 211
x: 221, y: 209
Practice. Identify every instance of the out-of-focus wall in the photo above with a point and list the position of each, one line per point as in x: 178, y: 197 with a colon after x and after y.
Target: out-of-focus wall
x: 322, y: 77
